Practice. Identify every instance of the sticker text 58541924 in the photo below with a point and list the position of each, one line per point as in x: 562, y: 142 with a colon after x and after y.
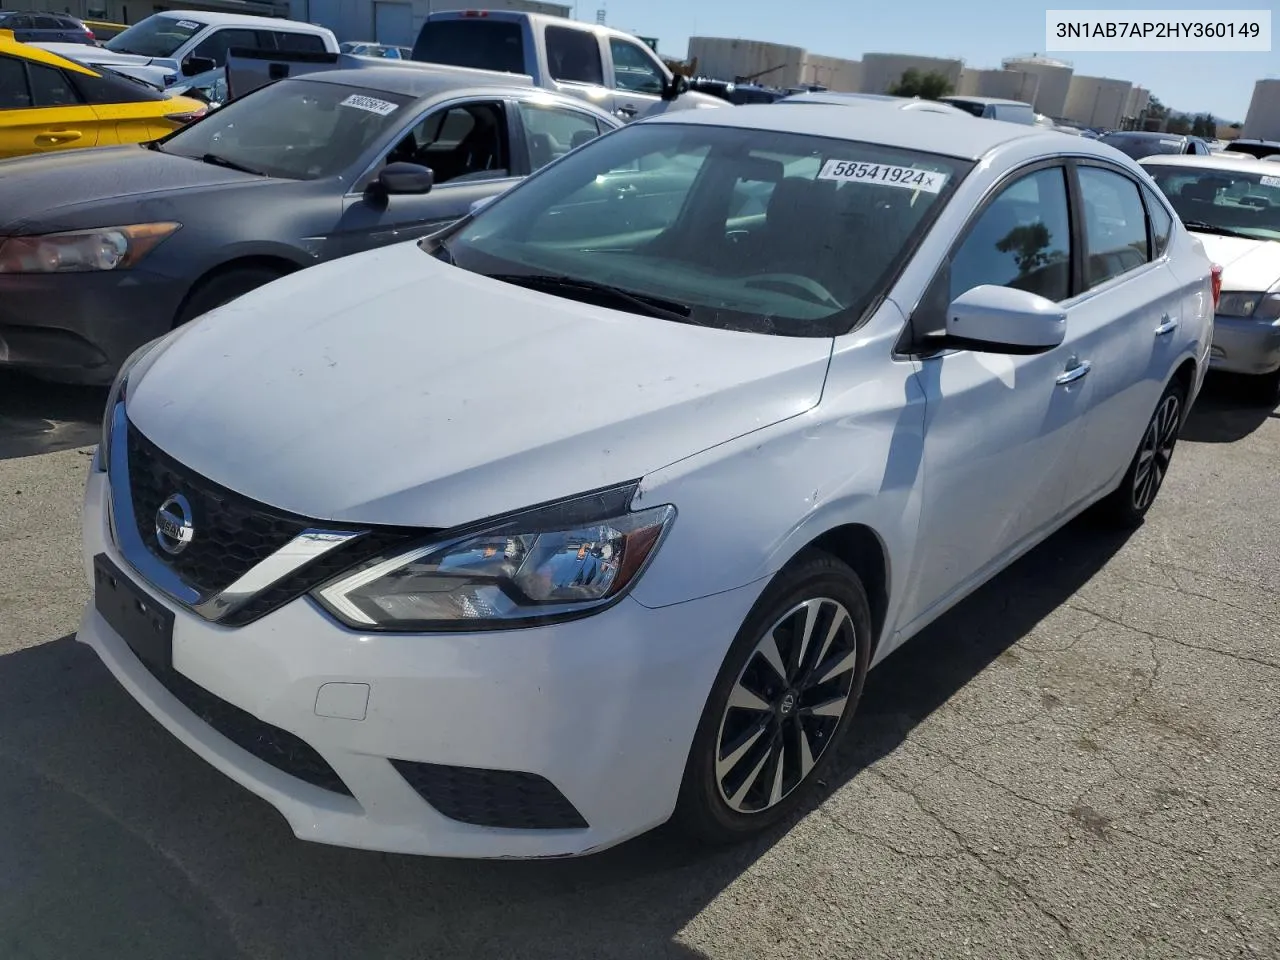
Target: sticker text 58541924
x: 911, y: 178
x: 381, y: 107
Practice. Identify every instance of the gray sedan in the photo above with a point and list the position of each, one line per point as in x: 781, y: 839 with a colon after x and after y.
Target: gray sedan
x: 103, y: 250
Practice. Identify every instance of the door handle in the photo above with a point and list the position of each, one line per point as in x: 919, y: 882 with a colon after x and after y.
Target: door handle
x: 49, y: 138
x: 1167, y: 326
x: 1075, y: 372
x: 627, y: 111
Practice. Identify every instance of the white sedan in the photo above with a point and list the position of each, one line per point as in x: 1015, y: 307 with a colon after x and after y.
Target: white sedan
x: 596, y: 509
x: 1232, y: 203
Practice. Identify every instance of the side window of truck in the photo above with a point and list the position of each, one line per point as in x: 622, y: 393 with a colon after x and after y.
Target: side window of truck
x: 574, y: 55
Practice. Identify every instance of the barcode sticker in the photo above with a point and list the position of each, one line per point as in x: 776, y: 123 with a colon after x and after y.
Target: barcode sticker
x: 381, y: 107
x: 909, y: 177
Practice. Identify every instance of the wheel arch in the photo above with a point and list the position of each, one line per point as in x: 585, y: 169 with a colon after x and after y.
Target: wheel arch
x: 859, y: 546
x: 259, y: 261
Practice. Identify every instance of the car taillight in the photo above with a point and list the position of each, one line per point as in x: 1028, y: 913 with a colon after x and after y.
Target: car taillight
x: 1216, y: 272
x: 89, y: 33
x: 187, y: 117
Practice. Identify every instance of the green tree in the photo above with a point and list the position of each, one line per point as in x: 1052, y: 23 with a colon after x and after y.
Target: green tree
x: 1155, y: 109
x: 1204, y: 126
x: 926, y: 86
x: 1178, y: 125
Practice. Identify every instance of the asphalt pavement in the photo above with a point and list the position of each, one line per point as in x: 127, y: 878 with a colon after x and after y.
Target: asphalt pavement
x: 1082, y: 760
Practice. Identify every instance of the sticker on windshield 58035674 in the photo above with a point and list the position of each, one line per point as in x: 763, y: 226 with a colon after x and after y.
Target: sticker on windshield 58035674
x: 1270, y: 181
x: 858, y: 172
x: 381, y: 107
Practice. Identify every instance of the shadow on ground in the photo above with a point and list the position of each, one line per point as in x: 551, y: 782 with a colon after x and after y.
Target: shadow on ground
x: 38, y: 417
x: 1227, y: 410
x: 117, y: 842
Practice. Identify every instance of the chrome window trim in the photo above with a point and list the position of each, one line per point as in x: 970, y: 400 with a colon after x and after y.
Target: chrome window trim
x: 301, y: 550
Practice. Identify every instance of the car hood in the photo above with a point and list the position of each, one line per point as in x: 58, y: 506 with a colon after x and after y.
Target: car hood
x: 39, y: 193
x: 1247, y: 265
x: 83, y: 53
x: 390, y: 388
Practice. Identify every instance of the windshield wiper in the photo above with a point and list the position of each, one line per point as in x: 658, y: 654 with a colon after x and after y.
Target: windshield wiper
x: 218, y: 161
x: 635, y: 302
x: 1205, y: 227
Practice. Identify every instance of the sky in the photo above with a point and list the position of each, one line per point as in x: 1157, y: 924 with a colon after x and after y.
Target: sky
x: 981, y: 34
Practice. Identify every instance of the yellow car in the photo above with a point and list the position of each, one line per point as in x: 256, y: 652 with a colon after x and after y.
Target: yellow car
x: 50, y: 103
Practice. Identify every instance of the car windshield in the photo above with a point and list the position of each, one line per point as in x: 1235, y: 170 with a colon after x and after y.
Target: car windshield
x: 1211, y: 200
x: 297, y: 129
x: 968, y: 106
x: 1139, y: 147
x: 740, y: 229
x: 156, y: 36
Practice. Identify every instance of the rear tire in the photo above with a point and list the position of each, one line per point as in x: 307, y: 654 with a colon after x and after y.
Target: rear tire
x: 222, y: 288
x: 1127, y: 505
x: 784, y: 698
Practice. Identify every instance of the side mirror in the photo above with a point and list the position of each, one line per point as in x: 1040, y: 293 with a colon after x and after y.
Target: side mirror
x: 993, y: 319
x: 480, y: 204
x: 196, y: 65
x: 406, y: 178
x: 677, y: 85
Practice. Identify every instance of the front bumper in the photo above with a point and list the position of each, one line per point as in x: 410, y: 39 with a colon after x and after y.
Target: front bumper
x: 1242, y: 345
x: 82, y: 326
x: 604, y: 708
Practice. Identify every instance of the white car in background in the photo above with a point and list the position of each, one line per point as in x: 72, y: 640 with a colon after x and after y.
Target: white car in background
x: 177, y: 43
x: 1232, y: 203
x: 596, y: 509
x: 882, y: 100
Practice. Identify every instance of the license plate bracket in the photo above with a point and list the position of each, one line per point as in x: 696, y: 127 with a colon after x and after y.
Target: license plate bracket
x: 145, y: 625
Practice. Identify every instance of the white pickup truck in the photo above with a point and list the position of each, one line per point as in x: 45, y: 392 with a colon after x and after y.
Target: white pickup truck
x: 610, y: 69
x: 177, y: 43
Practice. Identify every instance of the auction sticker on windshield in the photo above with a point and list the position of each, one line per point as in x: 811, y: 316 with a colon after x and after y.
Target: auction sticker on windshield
x: 188, y: 25
x: 381, y: 107
x: 853, y: 171
x: 1270, y: 181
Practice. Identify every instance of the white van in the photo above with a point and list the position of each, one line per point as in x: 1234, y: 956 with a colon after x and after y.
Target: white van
x: 989, y: 108
x: 188, y: 42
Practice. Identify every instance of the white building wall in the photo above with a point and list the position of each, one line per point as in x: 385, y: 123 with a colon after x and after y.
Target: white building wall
x: 834, y: 73
x: 723, y: 58
x: 1139, y: 98
x: 1097, y: 101
x: 1263, y: 120
x: 1054, y: 82
x: 881, y: 70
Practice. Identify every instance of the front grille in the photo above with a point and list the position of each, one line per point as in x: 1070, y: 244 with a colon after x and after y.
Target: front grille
x: 492, y: 798
x: 234, y: 534
x: 280, y: 748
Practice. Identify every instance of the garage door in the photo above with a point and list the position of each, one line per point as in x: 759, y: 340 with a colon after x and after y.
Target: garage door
x: 393, y: 24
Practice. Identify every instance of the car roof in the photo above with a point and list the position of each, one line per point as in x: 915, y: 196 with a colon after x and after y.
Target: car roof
x: 996, y: 100
x: 26, y: 51
x: 1148, y: 135
x: 1231, y: 162
x: 419, y: 80
x: 953, y: 136
x: 1261, y: 143
x: 214, y: 18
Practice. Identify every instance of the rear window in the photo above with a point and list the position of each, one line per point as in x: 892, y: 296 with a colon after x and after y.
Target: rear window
x: 1139, y: 147
x: 968, y: 105
x: 299, y: 42
x: 472, y: 42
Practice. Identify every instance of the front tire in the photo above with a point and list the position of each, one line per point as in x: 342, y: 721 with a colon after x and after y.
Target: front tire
x: 222, y: 288
x: 785, y: 696
x: 1127, y: 506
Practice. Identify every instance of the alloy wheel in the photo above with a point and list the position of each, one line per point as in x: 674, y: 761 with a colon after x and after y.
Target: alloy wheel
x: 1156, y: 452
x: 784, y: 708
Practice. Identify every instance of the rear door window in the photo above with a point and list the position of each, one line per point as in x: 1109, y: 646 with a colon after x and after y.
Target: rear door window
x: 1161, y: 223
x: 50, y: 88
x: 574, y: 55
x: 474, y: 42
x: 552, y: 132
x: 216, y: 45
x: 1115, y: 225
x: 14, y: 94
x: 299, y: 42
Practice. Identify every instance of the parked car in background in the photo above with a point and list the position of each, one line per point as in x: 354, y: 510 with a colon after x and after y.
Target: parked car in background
x: 1232, y: 203
x: 46, y: 27
x: 1261, y: 149
x: 608, y: 68
x: 875, y: 100
x: 103, y: 250
x: 735, y: 93
x: 1138, y: 144
x: 190, y: 42
x: 104, y: 30
x: 991, y: 108
x: 359, y: 540
x: 50, y: 103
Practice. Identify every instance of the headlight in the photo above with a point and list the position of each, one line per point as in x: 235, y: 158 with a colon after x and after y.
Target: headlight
x: 83, y: 251
x: 1260, y: 306
x: 547, y: 564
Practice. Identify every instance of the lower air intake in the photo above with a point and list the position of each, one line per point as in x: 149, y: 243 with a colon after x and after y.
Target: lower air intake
x: 492, y: 798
